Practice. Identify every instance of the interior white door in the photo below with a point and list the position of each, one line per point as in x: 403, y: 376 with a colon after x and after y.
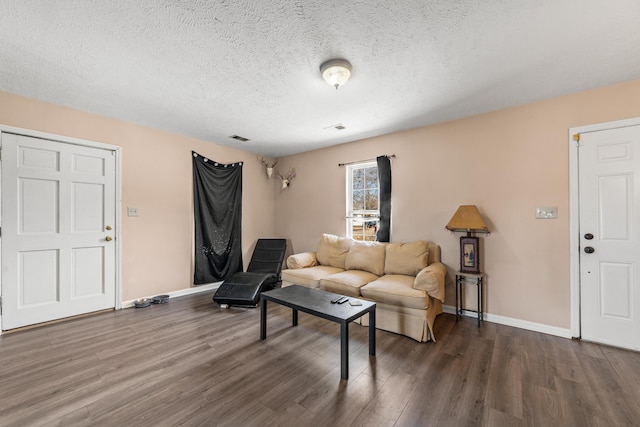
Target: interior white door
x: 58, y: 218
x: 609, y: 192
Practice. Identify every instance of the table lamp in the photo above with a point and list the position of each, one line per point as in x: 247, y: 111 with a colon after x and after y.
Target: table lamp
x: 468, y: 219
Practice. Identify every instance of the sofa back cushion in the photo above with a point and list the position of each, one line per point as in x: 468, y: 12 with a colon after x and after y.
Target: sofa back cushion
x: 366, y: 256
x: 406, y: 258
x: 434, y: 253
x: 332, y: 250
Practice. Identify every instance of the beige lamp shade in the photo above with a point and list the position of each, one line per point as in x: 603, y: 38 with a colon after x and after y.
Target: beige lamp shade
x: 467, y: 218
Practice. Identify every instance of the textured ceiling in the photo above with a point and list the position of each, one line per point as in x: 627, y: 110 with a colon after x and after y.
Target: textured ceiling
x: 211, y: 69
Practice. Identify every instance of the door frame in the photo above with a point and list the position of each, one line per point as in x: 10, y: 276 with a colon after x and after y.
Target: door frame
x: 574, y: 214
x: 118, y: 194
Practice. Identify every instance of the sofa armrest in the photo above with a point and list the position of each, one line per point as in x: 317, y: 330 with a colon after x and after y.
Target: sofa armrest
x: 302, y: 260
x: 431, y: 280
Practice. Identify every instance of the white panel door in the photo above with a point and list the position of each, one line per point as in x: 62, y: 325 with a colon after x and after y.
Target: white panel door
x: 58, y: 217
x: 609, y: 181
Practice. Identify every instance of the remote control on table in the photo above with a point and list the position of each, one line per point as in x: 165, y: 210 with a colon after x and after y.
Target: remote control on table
x: 336, y: 299
x: 343, y: 300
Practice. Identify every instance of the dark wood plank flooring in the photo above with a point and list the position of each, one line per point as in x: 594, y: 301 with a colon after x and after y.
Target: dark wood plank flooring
x: 189, y: 363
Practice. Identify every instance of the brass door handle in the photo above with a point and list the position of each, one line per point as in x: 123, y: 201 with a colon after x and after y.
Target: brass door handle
x: 108, y: 238
x: 108, y: 227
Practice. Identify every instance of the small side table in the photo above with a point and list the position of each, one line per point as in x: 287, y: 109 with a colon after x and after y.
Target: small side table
x: 473, y: 279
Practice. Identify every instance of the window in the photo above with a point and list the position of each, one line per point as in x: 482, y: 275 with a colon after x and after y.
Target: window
x: 363, y: 201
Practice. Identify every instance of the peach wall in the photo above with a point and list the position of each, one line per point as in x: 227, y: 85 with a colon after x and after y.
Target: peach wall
x: 506, y: 162
x: 157, y: 246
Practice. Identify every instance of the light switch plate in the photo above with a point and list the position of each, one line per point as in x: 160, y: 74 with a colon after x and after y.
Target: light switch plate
x: 549, y: 212
x: 132, y: 211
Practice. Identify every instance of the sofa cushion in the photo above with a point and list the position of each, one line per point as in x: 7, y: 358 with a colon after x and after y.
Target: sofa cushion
x: 309, y: 277
x: 406, y: 258
x: 347, y: 282
x: 302, y: 260
x: 366, y: 256
x: 396, y: 289
x: 332, y: 250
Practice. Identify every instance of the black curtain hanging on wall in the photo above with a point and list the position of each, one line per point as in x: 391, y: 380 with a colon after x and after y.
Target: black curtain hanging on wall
x: 217, y: 200
x: 384, y: 177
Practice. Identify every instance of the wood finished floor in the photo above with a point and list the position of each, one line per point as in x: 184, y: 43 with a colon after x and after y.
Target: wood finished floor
x: 190, y: 363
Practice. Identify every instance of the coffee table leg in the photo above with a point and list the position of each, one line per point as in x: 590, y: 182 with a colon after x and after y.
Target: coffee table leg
x: 344, y: 350
x: 372, y: 332
x: 294, y: 317
x: 263, y: 319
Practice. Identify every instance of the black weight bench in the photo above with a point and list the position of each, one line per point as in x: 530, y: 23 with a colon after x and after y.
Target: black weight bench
x: 263, y: 274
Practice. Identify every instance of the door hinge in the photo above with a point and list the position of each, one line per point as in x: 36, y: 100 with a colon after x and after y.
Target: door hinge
x: 0, y: 306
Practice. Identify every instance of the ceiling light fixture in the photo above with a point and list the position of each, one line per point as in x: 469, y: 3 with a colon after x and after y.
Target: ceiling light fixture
x: 336, y: 72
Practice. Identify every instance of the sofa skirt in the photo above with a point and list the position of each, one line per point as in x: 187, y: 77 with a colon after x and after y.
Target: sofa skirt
x: 411, y: 322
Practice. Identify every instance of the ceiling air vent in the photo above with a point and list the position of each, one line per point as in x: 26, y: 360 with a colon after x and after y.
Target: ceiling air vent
x: 338, y: 126
x: 239, y: 138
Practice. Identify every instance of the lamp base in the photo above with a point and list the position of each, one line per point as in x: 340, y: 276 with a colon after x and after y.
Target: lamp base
x: 469, y: 254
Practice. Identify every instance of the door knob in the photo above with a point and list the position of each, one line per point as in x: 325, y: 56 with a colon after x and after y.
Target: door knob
x: 109, y: 238
x: 587, y: 236
x: 108, y: 227
x: 589, y: 250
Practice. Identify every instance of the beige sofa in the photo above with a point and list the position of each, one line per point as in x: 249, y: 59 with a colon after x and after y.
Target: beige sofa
x: 406, y: 280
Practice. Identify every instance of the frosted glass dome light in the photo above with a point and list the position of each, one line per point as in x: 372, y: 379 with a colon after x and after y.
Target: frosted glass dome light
x: 336, y: 72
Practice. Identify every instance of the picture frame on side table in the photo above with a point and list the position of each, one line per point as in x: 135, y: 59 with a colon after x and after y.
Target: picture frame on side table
x: 469, y: 255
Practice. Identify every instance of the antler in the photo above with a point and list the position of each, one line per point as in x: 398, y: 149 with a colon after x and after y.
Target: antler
x: 268, y: 164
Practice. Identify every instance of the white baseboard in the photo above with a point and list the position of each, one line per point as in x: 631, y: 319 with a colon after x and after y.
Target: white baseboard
x: 182, y: 292
x: 493, y: 318
x: 516, y: 323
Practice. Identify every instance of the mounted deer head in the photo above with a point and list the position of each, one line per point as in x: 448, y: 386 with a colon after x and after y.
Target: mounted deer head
x: 286, y: 179
x: 269, y: 166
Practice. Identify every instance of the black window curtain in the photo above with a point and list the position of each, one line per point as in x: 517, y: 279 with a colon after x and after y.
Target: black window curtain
x: 384, y: 177
x: 217, y: 199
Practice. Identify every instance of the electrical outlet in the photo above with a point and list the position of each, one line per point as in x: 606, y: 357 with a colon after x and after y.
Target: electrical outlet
x: 132, y: 212
x: 550, y: 212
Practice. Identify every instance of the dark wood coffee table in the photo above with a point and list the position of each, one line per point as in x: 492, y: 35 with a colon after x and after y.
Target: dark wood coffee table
x: 318, y: 303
